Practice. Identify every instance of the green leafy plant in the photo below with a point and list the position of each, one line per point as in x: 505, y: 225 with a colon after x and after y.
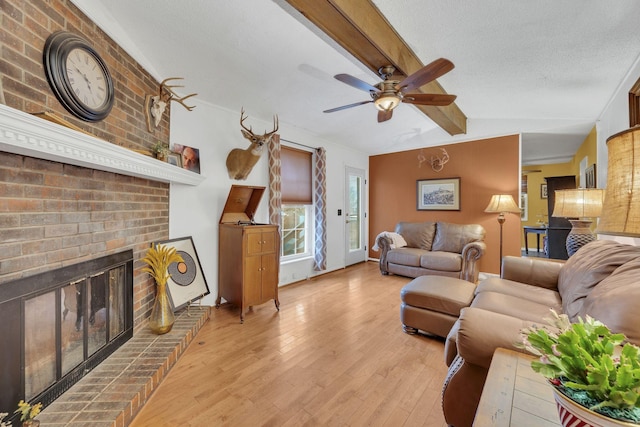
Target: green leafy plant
x: 587, y: 356
x: 158, y: 260
x: 160, y: 149
x: 27, y: 411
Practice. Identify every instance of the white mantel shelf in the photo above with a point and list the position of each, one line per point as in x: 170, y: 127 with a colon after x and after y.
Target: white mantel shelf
x: 25, y: 134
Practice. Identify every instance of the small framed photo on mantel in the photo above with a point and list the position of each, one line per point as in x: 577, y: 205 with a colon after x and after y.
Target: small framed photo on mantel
x: 438, y: 194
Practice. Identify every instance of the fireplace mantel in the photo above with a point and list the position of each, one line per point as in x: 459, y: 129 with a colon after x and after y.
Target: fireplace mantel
x: 24, y: 134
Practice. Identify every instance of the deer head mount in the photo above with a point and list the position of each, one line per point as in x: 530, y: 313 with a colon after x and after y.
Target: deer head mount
x: 437, y: 163
x: 241, y: 162
x: 156, y: 104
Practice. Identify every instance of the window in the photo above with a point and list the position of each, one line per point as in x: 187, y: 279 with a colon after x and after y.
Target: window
x: 297, y: 204
x: 296, y: 231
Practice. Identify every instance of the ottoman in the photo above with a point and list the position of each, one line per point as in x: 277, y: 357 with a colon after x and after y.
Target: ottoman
x: 432, y: 303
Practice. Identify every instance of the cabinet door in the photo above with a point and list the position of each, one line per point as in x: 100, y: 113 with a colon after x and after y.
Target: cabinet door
x: 254, y: 242
x: 269, y: 241
x: 269, y: 276
x: 253, y: 280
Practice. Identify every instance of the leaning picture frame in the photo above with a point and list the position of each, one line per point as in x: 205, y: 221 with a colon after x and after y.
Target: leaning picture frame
x: 438, y: 194
x: 174, y: 159
x: 186, y: 282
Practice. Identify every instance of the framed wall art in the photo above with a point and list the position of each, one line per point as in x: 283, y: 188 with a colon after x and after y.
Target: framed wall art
x: 186, y: 281
x: 438, y: 194
x: 590, y: 176
x: 543, y: 191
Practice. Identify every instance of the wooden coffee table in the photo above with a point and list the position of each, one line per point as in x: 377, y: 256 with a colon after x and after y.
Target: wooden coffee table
x: 514, y: 395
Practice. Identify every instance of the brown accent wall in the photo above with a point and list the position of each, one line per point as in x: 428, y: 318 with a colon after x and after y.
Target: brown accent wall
x: 53, y: 214
x: 485, y: 167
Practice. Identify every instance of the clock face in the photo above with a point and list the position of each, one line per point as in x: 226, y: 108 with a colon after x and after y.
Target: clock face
x: 78, y: 76
x: 86, y: 77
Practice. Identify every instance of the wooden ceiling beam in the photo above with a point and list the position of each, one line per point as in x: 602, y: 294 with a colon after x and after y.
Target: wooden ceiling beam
x: 360, y: 28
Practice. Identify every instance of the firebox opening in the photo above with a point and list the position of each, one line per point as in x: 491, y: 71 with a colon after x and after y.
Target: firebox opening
x: 58, y: 325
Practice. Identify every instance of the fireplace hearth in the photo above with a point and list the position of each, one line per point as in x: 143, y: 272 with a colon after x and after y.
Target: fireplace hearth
x: 59, y: 325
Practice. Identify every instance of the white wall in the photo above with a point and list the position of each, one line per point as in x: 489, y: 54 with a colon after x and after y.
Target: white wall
x: 614, y: 119
x: 196, y: 210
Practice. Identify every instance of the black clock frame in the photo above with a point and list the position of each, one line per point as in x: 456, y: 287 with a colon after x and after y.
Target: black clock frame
x: 56, y: 49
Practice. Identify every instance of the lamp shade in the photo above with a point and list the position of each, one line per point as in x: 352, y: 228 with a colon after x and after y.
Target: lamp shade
x: 501, y: 203
x: 387, y: 102
x: 578, y: 203
x: 622, y: 215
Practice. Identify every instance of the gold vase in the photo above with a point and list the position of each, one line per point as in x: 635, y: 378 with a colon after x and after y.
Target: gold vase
x: 162, y: 318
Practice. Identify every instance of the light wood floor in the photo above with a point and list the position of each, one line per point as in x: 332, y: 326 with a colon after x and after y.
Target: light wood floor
x: 335, y: 355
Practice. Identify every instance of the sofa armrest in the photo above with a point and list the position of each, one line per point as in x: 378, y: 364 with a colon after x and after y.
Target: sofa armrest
x: 471, y: 253
x: 481, y: 332
x: 384, y: 244
x: 532, y: 271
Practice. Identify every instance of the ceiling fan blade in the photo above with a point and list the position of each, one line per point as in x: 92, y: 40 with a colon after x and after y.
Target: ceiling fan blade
x: 385, y: 115
x: 355, y: 82
x: 426, y: 74
x: 344, y: 107
x: 439, y: 99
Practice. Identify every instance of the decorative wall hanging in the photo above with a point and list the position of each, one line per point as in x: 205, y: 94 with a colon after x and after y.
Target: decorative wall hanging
x: 186, y: 281
x: 241, y: 162
x: 590, y: 176
x: 78, y: 76
x: 438, y: 194
x: 154, y: 105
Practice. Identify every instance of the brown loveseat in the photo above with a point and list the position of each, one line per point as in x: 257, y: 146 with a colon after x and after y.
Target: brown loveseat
x: 601, y: 280
x: 434, y: 248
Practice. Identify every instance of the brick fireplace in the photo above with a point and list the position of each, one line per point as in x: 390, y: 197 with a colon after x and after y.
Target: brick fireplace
x: 68, y: 196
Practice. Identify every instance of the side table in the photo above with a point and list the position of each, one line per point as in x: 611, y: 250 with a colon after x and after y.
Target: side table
x: 514, y: 395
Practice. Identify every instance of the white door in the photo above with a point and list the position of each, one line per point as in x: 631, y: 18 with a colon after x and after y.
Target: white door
x: 354, y: 216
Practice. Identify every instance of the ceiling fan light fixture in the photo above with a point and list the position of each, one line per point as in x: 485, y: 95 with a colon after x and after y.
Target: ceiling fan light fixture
x: 387, y: 102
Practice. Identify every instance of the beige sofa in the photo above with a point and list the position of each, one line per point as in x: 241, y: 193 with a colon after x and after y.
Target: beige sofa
x: 433, y: 248
x: 602, y: 280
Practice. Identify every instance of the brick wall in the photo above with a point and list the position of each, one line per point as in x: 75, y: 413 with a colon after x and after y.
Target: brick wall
x: 53, y: 214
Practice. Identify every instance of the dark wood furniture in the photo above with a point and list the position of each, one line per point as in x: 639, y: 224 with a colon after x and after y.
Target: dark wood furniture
x: 537, y: 231
x: 558, y: 228
x: 248, y: 253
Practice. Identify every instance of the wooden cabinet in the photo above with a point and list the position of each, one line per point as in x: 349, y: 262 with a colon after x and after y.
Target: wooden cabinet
x: 248, y: 254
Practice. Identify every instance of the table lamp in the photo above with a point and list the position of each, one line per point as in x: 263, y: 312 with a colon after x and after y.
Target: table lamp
x: 583, y: 204
x: 501, y: 204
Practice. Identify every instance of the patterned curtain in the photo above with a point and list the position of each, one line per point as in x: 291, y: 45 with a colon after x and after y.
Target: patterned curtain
x: 320, y: 197
x: 275, y: 183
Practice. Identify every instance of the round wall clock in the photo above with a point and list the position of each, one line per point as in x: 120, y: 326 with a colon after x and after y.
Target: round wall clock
x: 78, y: 76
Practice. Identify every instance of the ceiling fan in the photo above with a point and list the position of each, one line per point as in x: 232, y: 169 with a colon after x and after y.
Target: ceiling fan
x: 387, y: 94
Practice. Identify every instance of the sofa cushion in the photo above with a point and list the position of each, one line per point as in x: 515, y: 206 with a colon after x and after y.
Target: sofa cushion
x: 537, y: 294
x: 441, y: 261
x: 512, y: 306
x: 453, y: 237
x: 405, y: 256
x: 417, y: 234
x: 616, y: 301
x: 586, y: 268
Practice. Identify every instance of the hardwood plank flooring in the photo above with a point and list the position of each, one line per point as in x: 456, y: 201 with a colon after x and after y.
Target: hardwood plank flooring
x: 334, y: 355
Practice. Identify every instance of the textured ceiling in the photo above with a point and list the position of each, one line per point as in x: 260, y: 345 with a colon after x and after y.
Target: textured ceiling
x: 546, y: 69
